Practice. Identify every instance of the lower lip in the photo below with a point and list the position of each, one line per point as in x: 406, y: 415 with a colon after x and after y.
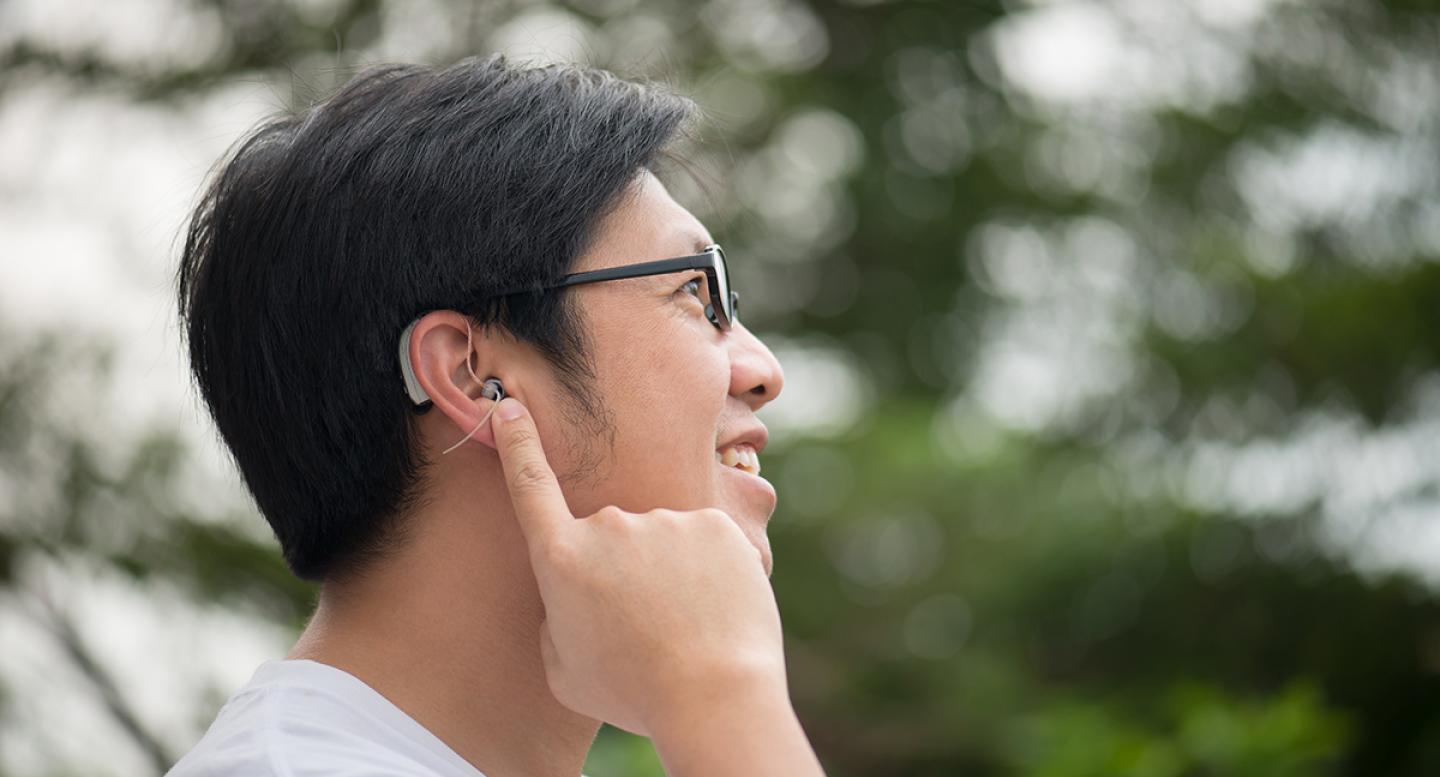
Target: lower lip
x: 751, y: 481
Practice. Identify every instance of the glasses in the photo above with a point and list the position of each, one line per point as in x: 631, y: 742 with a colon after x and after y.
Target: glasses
x: 723, y: 310
x: 723, y: 301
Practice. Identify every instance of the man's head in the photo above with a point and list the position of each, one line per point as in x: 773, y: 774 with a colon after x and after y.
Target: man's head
x: 415, y: 191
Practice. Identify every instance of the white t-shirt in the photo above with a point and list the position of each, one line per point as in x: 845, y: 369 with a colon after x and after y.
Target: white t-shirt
x: 302, y: 718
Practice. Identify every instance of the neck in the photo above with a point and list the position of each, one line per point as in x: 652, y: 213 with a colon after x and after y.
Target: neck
x: 448, y: 631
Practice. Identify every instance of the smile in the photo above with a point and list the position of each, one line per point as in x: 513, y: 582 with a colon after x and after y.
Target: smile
x: 742, y: 457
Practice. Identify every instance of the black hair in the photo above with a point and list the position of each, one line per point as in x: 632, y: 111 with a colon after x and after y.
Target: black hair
x: 327, y: 231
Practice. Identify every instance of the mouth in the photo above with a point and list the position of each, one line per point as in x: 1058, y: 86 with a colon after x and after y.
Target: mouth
x: 743, y: 462
x: 742, y: 457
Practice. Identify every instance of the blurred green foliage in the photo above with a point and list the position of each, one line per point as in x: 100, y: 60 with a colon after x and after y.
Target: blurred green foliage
x: 1127, y: 352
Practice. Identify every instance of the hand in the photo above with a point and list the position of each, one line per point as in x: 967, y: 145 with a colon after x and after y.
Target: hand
x: 647, y: 615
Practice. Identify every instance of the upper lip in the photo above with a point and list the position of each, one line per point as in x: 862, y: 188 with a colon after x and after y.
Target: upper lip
x: 756, y: 436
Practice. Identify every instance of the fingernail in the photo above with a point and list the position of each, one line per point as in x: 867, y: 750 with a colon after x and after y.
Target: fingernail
x: 509, y: 409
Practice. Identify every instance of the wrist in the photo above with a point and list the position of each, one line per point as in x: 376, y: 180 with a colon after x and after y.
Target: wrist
x: 745, y: 730
x: 738, y: 695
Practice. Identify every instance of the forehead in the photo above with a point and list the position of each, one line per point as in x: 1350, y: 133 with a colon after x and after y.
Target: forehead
x: 649, y: 225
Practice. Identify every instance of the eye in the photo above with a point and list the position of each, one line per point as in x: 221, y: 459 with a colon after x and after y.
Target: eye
x: 697, y: 280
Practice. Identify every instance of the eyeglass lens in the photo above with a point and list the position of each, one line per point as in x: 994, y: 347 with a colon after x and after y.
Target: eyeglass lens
x: 723, y: 273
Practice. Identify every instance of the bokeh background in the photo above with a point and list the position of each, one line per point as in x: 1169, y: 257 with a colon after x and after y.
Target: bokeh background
x: 1111, y: 437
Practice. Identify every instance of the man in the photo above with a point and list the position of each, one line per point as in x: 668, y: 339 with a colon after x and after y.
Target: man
x: 353, y: 283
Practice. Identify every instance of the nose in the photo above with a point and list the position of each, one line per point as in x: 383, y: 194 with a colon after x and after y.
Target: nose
x: 755, y: 374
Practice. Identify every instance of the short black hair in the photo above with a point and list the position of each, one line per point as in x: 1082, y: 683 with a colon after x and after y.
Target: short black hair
x: 326, y: 231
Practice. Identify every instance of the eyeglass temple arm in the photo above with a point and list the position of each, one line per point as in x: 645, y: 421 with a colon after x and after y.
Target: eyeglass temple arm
x: 693, y: 262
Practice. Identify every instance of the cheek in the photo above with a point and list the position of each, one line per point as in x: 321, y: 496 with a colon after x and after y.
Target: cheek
x: 673, y: 368
x: 668, y: 398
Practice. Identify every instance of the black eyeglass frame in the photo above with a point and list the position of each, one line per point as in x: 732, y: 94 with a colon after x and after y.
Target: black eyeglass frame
x: 711, y: 260
x: 723, y: 300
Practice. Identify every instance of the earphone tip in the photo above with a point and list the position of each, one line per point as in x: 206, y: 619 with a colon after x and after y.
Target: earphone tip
x: 491, y: 389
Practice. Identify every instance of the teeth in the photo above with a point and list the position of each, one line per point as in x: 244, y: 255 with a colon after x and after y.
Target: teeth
x: 742, y: 456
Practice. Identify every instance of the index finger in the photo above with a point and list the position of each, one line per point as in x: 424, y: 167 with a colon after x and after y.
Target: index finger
x: 534, y: 491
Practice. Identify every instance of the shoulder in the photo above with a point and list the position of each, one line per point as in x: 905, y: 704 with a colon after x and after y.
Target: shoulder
x: 234, y: 744
x: 284, y: 729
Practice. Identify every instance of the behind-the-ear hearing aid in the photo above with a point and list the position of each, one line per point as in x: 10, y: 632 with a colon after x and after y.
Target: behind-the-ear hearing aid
x: 491, y: 388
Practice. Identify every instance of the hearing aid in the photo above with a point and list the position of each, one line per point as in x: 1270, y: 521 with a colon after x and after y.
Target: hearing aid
x: 491, y: 389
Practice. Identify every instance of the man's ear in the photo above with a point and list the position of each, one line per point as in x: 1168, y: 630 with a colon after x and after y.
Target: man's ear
x: 441, y: 346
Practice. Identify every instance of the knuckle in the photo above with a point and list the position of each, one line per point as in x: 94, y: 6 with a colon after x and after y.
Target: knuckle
x: 715, y: 515
x: 609, y: 514
x: 519, y: 437
x: 721, y: 523
x: 530, y: 475
x: 611, y: 518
